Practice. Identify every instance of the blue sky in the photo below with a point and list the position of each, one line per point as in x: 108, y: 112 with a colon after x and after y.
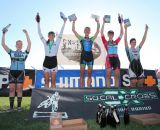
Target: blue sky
x: 21, y: 14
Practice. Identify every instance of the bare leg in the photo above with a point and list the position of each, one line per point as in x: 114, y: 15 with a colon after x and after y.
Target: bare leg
x: 53, y: 79
x: 116, y: 77
x: 89, y: 81
x: 133, y: 82
x: 46, y: 78
x: 108, y: 77
x: 140, y: 83
x: 82, y: 70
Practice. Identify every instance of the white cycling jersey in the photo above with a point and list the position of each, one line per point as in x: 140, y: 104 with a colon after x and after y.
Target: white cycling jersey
x: 51, y: 49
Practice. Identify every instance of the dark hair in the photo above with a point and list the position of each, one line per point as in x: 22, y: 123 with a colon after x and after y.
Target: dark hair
x: 51, y: 32
x: 88, y: 28
x: 132, y: 39
x: 110, y: 32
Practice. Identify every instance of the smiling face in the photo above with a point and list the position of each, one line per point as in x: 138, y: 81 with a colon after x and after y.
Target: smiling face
x: 51, y: 36
x: 19, y: 45
x: 133, y: 43
x: 87, y: 31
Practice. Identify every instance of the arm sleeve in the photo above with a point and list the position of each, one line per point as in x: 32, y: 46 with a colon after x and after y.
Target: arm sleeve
x: 58, y: 40
x: 105, y: 43
x: 118, y: 40
x: 93, y: 38
x: 9, y: 52
x: 80, y: 38
x: 40, y: 34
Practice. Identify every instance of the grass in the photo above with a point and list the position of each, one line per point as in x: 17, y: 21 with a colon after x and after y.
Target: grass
x: 17, y: 120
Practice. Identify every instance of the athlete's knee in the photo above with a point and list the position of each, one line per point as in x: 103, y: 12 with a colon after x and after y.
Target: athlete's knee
x: 133, y: 83
x: 46, y: 80
x: 109, y: 75
x: 12, y: 90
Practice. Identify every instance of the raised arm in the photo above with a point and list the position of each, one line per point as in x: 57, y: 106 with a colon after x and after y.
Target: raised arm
x: 144, y: 36
x: 28, y: 40
x: 61, y: 32
x: 6, y: 48
x: 98, y: 26
x: 102, y: 28
x: 39, y: 28
x: 120, y: 19
x: 73, y: 29
x: 125, y: 37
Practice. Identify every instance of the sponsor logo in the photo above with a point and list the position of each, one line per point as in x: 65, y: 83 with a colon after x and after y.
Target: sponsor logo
x: 121, y: 97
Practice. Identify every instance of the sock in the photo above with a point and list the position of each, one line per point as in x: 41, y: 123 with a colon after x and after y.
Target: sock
x: 11, y: 100
x: 19, y: 100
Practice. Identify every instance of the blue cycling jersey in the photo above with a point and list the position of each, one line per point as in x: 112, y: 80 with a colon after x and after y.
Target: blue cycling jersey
x: 18, y: 59
x: 112, y: 48
x: 87, y: 43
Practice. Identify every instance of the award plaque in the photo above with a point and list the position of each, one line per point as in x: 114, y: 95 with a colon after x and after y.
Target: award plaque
x: 72, y: 17
x: 127, y: 22
x: 94, y: 16
x: 107, y: 18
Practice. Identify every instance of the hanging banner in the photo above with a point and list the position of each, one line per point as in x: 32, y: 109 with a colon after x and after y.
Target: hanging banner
x: 71, y: 79
x: 82, y: 103
x: 70, y: 51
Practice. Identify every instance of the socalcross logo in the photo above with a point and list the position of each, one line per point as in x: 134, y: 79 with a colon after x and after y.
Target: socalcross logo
x: 53, y: 102
x: 121, y: 97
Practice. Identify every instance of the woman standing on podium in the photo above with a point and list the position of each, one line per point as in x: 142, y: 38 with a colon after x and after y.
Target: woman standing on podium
x: 86, y: 54
x: 136, y: 72
x: 51, y: 49
x: 16, y: 74
x: 112, y: 58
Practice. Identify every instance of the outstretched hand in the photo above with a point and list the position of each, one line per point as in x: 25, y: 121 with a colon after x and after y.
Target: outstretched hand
x: 4, y: 30
x: 120, y: 19
x: 97, y: 20
x: 75, y: 20
x: 25, y: 31
x: 147, y: 27
x: 37, y: 18
x: 64, y: 19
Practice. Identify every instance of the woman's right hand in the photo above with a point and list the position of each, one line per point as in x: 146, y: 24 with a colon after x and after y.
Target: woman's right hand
x: 37, y: 18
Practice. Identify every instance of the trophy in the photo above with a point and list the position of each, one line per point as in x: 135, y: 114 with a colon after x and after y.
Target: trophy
x: 120, y: 18
x: 5, y: 29
x: 94, y: 16
x: 99, y: 110
x: 62, y: 15
x: 107, y: 18
x: 103, y: 118
x: 72, y: 17
x: 127, y: 22
x: 126, y: 115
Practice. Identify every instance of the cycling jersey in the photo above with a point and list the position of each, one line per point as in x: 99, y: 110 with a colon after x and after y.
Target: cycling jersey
x: 133, y: 53
x: 86, y: 55
x: 51, y: 48
x: 112, y: 60
x: 18, y: 59
x: 135, y: 68
x: 111, y: 46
